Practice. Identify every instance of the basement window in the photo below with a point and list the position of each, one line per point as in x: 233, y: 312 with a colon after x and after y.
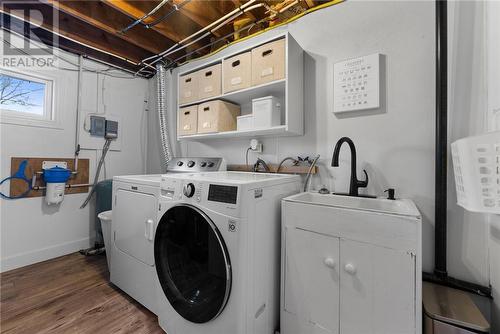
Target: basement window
x: 26, y: 99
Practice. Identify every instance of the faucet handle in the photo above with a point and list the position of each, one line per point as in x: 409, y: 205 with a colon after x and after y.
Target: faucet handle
x: 363, y: 184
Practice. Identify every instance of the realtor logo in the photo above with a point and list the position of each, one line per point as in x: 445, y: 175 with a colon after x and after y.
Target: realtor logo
x: 26, y: 34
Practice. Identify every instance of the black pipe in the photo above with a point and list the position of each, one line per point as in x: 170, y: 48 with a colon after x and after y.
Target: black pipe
x: 440, y: 275
x: 441, y: 139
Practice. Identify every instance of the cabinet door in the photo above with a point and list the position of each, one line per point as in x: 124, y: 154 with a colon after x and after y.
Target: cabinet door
x: 312, y: 281
x: 377, y: 289
x: 133, y: 224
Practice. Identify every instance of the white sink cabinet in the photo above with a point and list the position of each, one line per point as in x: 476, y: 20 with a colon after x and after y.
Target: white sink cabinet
x: 350, y: 266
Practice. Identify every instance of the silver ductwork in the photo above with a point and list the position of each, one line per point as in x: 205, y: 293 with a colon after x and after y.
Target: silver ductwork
x: 161, y: 92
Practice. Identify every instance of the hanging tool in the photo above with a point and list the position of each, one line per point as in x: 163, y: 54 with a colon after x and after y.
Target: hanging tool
x: 20, y: 175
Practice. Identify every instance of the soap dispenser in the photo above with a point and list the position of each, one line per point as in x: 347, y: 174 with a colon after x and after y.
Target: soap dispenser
x: 390, y: 193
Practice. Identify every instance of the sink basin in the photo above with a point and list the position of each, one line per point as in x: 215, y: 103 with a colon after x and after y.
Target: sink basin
x: 402, y: 207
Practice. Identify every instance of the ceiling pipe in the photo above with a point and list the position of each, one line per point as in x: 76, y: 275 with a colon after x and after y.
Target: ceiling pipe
x: 173, y: 48
x: 440, y: 274
x: 247, y: 27
x: 175, y: 9
x: 145, y: 16
x: 76, y: 42
x: 202, y: 30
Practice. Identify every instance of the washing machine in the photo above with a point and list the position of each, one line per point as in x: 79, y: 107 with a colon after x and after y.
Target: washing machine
x: 135, y: 209
x: 217, y: 252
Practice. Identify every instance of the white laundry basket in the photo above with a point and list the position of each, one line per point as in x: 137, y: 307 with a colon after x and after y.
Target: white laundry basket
x: 105, y: 217
x: 476, y: 163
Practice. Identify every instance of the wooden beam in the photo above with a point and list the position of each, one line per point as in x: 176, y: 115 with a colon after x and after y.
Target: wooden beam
x: 70, y: 27
x: 286, y: 169
x: 112, y: 21
x: 47, y: 38
x: 175, y: 28
x: 205, y: 12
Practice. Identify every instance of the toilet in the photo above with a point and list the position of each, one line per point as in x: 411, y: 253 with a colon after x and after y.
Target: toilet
x: 105, y: 217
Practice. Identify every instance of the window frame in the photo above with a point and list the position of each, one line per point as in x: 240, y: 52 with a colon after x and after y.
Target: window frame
x: 49, y: 118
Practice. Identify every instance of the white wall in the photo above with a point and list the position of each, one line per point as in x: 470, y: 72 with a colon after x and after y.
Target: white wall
x: 394, y: 144
x: 30, y: 230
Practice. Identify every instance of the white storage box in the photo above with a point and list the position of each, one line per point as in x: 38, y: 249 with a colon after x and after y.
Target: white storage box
x: 188, y: 88
x: 188, y: 121
x: 237, y: 72
x: 244, y: 123
x: 266, y: 112
x: 476, y: 163
x: 268, y: 62
x: 210, y: 82
x: 217, y: 116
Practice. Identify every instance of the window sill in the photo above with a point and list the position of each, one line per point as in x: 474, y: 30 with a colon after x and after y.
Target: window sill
x: 31, y: 122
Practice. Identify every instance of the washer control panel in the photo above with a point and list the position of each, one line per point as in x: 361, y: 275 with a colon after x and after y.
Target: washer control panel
x: 181, y: 165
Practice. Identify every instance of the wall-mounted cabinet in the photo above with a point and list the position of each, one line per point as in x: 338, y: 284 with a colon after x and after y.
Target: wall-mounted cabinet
x: 270, y: 66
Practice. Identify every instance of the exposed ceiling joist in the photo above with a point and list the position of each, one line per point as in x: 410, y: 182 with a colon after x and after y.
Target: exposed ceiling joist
x: 176, y: 27
x: 111, y: 21
x: 91, y: 27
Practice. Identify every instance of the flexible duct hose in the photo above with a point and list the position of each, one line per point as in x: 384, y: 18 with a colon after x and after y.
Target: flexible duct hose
x: 105, y: 149
x: 161, y: 90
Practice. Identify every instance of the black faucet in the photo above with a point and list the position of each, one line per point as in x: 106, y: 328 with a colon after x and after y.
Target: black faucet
x: 355, y: 184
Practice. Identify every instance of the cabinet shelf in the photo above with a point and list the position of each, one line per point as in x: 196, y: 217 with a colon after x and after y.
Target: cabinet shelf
x: 289, y: 91
x: 244, y: 96
x: 277, y: 131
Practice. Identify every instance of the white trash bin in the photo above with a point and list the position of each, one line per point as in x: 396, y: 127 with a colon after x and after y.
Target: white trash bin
x: 105, y: 217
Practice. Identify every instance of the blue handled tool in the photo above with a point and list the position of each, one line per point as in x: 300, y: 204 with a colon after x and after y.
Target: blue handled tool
x: 20, y: 174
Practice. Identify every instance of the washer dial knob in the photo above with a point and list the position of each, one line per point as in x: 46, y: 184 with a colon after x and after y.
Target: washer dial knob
x: 188, y: 190
x: 190, y: 163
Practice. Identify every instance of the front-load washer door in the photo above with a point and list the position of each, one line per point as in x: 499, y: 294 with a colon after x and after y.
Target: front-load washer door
x: 192, y: 263
x: 133, y: 224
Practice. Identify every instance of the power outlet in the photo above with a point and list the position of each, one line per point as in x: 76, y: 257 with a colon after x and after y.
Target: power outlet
x: 256, y: 146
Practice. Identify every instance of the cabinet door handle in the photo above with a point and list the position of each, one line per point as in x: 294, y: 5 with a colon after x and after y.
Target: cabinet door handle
x: 350, y: 268
x: 329, y: 262
x: 148, y: 233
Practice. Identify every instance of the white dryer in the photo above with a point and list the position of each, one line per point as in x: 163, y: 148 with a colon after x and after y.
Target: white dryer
x: 217, y: 252
x: 135, y: 209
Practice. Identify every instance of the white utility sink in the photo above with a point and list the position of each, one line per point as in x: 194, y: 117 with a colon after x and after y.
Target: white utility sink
x: 350, y: 265
x: 396, y: 207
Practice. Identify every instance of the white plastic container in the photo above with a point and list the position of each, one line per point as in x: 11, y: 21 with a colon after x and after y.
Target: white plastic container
x: 266, y: 112
x: 105, y: 217
x: 244, y: 123
x: 476, y: 163
x: 54, y: 193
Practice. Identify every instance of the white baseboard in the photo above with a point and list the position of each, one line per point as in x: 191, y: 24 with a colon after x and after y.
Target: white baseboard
x: 24, y: 259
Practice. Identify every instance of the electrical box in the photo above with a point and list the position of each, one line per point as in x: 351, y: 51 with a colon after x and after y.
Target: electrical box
x: 111, y: 129
x: 97, y: 126
x: 356, y: 83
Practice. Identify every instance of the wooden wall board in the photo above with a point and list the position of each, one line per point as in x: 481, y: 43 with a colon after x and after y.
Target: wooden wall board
x: 283, y: 170
x: 17, y: 187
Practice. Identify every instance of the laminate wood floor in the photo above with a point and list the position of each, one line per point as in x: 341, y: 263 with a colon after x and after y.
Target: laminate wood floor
x: 69, y: 294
